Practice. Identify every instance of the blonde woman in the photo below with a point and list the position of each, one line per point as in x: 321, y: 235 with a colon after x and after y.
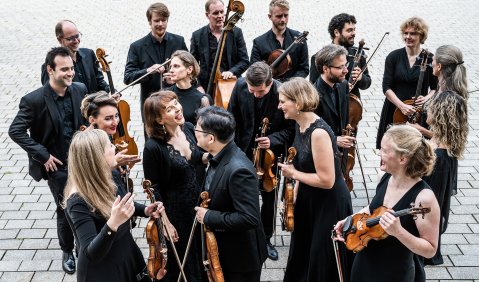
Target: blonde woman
x: 98, y: 212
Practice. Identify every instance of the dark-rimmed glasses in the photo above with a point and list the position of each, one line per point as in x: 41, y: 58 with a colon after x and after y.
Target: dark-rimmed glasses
x: 341, y: 67
x: 195, y: 129
x: 73, y: 37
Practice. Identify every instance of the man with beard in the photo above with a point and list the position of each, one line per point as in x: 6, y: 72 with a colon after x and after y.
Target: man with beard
x: 281, y: 37
x: 342, y: 29
x: 52, y: 114
x: 146, y: 54
x: 87, y: 70
x: 333, y: 89
x: 204, y: 43
x: 254, y: 98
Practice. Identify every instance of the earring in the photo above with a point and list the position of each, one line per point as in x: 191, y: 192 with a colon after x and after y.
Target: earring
x: 163, y: 127
x: 297, y: 112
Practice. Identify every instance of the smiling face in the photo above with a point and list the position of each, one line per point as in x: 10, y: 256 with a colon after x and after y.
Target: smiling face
x: 106, y: 120
x: 336, y: 73
x: 71, y: 37
x: 289, y: 108
x: 62, y: 75
x: 390, y: 159
x: 346, y: 36
x: 411, y: 37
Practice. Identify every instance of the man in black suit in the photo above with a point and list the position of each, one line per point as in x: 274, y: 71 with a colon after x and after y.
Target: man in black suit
x: 254, y: 98
x: 204, y: 43
x: 52, y: 115
x: 281, y: 37
x: 333, y: 89
x: 233, y: 213
x: 87, y: 70
x: 146, y: 54
x: 342, y: 29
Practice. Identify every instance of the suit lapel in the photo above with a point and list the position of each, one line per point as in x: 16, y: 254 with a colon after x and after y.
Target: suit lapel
x: 220, y: 170
x: 169, y: 48
x: 150, y: 50
x: 325, y: 97
x: 86, y: 62
x: 204, y: 44
x: 52, y: 108
x: 76, y: 100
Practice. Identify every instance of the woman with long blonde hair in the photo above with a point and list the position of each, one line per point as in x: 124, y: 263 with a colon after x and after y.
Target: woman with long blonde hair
x: 98, y: 212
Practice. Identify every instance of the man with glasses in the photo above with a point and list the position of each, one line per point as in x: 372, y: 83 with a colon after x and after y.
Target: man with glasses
x: 204, y: 43
x: 254, y: 98
x: 233, y: 214
x: 333, y: 89
x: 87, y: 70
x: 342, y: 29
x: 281, y: 37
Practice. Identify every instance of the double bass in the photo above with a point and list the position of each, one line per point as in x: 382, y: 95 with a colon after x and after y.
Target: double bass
x: 211, y: 260
x: 280, y: 60
x: 264, y: 162
x: 398, y: 116
x: 287, y: 215
x: 121, y: 138
x: 218, y: 88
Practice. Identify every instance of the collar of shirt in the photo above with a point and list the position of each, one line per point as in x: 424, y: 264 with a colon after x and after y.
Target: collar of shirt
x: 55, y: 95
x: 214, y: 161
x: 166, y: 37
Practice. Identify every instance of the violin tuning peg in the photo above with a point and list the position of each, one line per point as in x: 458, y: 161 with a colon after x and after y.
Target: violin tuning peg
x: 411, y: 204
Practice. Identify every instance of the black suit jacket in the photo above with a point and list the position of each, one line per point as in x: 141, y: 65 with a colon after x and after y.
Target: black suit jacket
x: 241, y: 105
x: 234, y: 214
x: 235, y: 54
x: 93, y: 79
x: 266, y: 43
x: 363, y: 84
x: 326, y: 110
x: 39, y: 114
x: 142, y: 55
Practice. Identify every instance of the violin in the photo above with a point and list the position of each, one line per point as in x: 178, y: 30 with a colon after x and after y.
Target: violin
x: 218, y: 88
x: 280, y: 60
x: 211, y: 259
x: 398, y: 116
x: 156, y: 240
x: 287, y: 215
x: 121, y: 138
x: 264, y: 162
x: 359, y: 229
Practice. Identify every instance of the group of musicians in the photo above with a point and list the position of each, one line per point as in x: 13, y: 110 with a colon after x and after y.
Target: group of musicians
x: 223, y: 151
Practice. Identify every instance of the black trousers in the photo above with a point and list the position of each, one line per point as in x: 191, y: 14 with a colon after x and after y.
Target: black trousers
x: 251, y: 276
x: 56, y: 182
x: 267, y: 212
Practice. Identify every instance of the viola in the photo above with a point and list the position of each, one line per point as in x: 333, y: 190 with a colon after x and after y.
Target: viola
x: 156, y: 240
x: 359, y: 229
x: 280, y: 60
x: 211, y: 259
x: 121, y: 138
x: 264, y: 162
x: 287, y: 215
x: 398, y: 116
x: 218, y: 88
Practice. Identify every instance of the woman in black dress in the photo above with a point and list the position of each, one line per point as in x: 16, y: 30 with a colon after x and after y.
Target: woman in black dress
x: 401, y: 74
x: 184, y: 70
x: 174, y: 165
x: 322, y: 197
x: 99, y: 212
x: 447, y: 117
x: 405, y: 157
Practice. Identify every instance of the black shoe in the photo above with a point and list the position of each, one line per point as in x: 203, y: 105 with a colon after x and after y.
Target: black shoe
x: 68, y: 262
x: 272, y: 252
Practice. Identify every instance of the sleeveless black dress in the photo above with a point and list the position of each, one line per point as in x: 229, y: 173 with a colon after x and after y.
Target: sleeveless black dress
x: 389, y: 259
x: 311, y: 254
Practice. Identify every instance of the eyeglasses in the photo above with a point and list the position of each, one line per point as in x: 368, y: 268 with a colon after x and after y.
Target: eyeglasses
x: 74, y: 37
x: 203, y: 131
x: 341, y: 67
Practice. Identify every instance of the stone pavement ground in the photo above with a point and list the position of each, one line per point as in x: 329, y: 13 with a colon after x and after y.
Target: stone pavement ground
x: 29, y: 248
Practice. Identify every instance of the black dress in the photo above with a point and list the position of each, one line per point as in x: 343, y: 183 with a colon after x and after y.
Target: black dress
x: 311, y: 255
x: 402, y: 79
x: 177, y: 184
x: 389, y: 259
x: 190, y: 100
x: 104, y: 256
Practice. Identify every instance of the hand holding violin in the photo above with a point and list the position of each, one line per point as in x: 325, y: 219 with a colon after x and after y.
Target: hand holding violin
x: 263, y: 142
x: 345, y: 141
x: 155, y: 209
x: 288, y: 170
x: 200, y: 214
x: 356, y: 74
x: 390, y: 223
x: 121, y: 211
x: 338, y: 230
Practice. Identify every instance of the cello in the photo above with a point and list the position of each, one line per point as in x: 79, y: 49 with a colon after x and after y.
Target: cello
x: 264, y: 161
x: 398, y: 116
x: 280, y: 60
x: 121, y: 138
x: 218, y: 88
x: 211, y: 260
x: 287, y: 215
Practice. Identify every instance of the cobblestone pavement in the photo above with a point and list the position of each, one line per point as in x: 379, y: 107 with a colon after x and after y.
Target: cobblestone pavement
x: 29, y: 248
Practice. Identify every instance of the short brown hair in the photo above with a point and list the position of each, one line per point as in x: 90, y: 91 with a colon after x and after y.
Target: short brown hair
x: 302, y: 92
x: 327, y: 54
x: 419, y: 26
x: 188, y: 60
x: 154, y: 108
x: 259, y: 73
x: 408, y: 142
x: 158, y: 8
x: 278, y: 3
x: 209, y: 2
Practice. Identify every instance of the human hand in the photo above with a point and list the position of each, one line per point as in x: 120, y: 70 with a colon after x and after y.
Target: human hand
x: 121, y: 211
x: 227, y: 74
x: 345, y: 141
x: 200, y: 214
x: 51, y: 164
x: 263, y: 142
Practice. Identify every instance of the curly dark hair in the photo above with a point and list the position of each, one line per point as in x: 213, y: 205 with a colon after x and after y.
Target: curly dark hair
x: 338, y: 21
